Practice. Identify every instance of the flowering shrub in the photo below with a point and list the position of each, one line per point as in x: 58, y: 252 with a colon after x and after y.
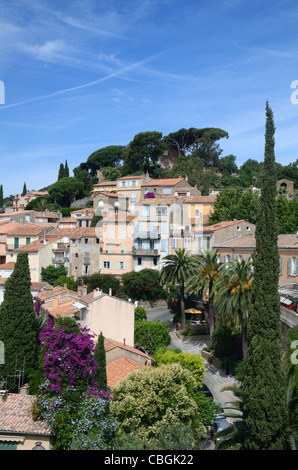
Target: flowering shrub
x: 73, y: 422
x: 149, y: 194
x: 68, y: 359
x: 154, y: 397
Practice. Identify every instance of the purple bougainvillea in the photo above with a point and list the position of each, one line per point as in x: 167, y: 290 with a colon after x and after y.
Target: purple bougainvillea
x: 149, y: 194
x: 68, y: 360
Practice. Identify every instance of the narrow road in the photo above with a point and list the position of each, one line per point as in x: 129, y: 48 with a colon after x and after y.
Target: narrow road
x: 214, y: 379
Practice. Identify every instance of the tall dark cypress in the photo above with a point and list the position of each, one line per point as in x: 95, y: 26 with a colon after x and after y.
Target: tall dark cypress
x: 264, y: 405
x: 17, y: 330
x: 100, y: 357
x: 1, y: 196
x: 61, y: 171
x: 66, y: 170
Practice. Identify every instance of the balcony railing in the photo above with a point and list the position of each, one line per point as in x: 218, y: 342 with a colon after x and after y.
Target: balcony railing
x: 63, y: 260
x: 144, y: 252
x: 143, y: 235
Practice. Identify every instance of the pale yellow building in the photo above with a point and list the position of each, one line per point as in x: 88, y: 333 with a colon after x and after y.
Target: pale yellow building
x: 116, y: 254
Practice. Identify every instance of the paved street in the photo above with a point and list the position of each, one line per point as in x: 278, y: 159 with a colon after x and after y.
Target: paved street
x: 214, y: 379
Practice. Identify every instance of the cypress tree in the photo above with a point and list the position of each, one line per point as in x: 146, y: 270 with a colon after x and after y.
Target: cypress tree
x: 264, y: 405
x: 24, y: 190
x: 61, y: 171
x: 1, y: 196
x: 100, y: 357
x: 17, y: 330
x: 66, y: 170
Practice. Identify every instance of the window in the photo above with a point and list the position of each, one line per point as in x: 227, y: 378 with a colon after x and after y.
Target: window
x: 27, y: 240
x: 133, y: 197
x: 208, y: 243
x: 161, y: 211
x: 106, y: 264
x: 139, y: 261
x: 280, y: 265
x: 163, y: 227
x: 227, y: 259
x: 238, y: 228
x: 293, y: 266
x: 197, y: 213
x: 145, y: 211
x: 86, y: 240
x: 134, y: 183
x: 154, y: 261
x: 163, y: 245
x: 248, y: 229
x: 174, y: 243
x: 123, y: 184
x: 124, y: 248
x: 16, y: 242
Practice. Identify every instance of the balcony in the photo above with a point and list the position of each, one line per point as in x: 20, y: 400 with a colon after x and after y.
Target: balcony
x: 59, y: 260
x: 144, y: 235
x: 61, y: 247
x: 146, y: 252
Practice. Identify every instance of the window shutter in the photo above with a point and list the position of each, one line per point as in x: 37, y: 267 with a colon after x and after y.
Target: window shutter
x: 289, y: 266
x: 111, y: 265
x: 124, y: 265
x: 118, y: 264
x: 296, y: 266
x: 101, y: 265
x: 280, y: 265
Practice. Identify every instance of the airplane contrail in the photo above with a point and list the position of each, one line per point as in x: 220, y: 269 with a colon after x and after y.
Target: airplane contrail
x: 78, y: 87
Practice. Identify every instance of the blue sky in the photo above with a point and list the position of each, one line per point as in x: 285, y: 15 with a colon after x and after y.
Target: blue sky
x: 82, y: 75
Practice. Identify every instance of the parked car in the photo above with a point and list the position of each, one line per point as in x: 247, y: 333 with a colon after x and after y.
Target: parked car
x: 204, y: 389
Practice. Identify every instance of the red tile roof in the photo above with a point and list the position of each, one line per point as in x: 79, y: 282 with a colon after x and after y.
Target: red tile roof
x: 112, y: 344
x: 7, y: 266
x: 164, y: 182
x: 119, y: 369
x: 16, y: 417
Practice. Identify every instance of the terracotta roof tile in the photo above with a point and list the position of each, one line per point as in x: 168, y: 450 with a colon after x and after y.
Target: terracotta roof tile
x: 15, y: 416
x: 7, y: 266
x: 286, y: 241
x: 111, y: 344
x: 119, y: 369
x: 29, y: 229
x: 164, y: 182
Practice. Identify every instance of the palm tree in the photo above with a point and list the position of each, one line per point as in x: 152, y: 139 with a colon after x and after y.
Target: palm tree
x: 177, y: 270
x: 233, y: 294
x: 208, y: 270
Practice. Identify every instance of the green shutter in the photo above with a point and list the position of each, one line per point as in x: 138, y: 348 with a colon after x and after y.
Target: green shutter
x: 296, y: 266
x: 101, y: 265
x: 124, y: 265
x: 118, y: 264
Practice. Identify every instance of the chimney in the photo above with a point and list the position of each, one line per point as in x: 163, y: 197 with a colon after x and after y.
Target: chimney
x: 84, y: 290
x: 3, y: 394
x: 24, y: 390
x: 97, y: 293
x: 123, y: 341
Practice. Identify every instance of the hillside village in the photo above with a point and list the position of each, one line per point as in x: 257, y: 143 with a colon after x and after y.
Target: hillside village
x: 129, y: 225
